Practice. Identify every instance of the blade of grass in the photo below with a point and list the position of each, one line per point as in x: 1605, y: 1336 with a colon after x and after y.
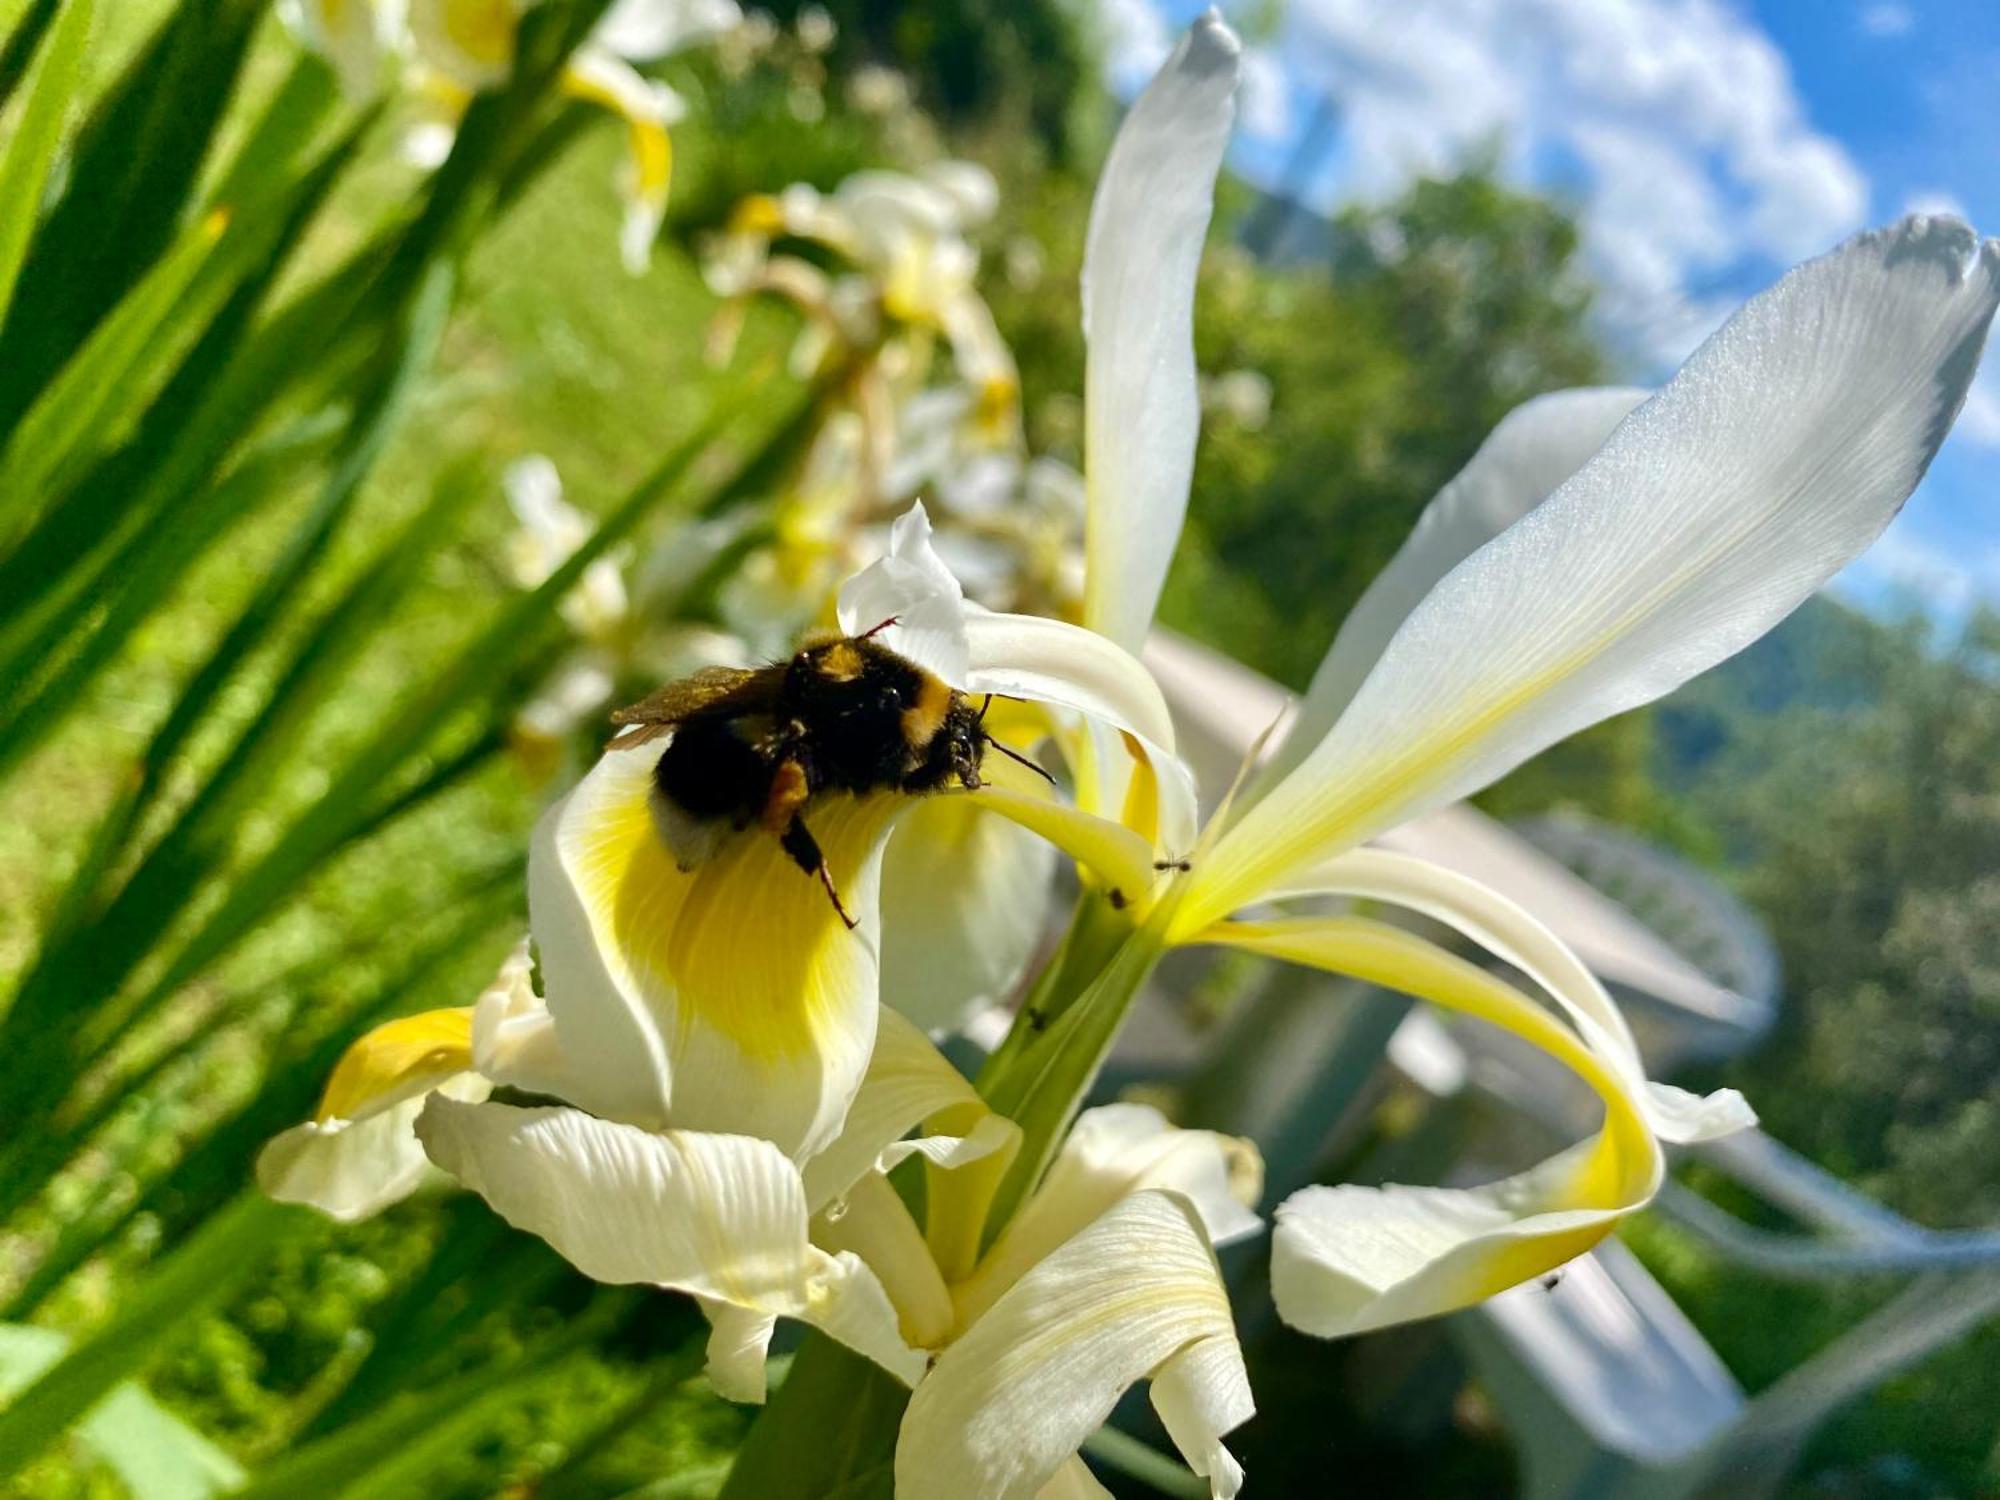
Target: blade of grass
x: 22, y: 41
x: 24, y: 171
x: 324, y: 825
x: 188, y: 1282
x: 130, y: 181
x: 155, y: 892
x: 396, y: 1448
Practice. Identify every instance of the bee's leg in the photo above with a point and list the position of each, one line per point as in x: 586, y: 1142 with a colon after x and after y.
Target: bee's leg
x: 804, y: 849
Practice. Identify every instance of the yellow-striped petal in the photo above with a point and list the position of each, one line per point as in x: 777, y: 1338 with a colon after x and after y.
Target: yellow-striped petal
x: 398, y: 1060
x: 1135, y: 1296
x: 1112, y: 1152
x: 1518, y: 939
x: 1775, y: 456
x: 728, y: 997
x: 1349, y: 1259
x: 722, y: 1217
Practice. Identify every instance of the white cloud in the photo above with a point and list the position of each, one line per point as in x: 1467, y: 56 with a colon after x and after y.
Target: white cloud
x: 1676, y: 120
x: 1886, y: 19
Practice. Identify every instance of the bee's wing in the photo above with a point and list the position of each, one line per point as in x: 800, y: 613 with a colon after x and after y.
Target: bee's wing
x: 712, y: 690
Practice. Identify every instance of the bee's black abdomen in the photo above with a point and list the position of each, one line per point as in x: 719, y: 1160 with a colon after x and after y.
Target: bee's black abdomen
x: 716, y: 768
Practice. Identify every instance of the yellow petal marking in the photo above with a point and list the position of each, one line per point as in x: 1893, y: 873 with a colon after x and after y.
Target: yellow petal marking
x: 396, y: 1061
x: 746, y: 943
x: 481, y: 29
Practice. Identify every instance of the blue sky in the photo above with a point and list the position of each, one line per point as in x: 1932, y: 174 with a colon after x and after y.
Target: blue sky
x: 1706, y: 145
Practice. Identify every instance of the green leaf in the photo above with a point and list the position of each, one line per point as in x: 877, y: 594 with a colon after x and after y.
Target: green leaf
x: 155, y: 1453
x: 831, y: 1425
x: 130, y: 181
x: 187, y: 1283
x: 69, y: 422
x: 24, y: 171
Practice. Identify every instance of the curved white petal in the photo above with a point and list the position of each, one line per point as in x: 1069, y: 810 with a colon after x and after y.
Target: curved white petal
x: 1352, y: 1258
x: 965, y: 903
x: 1774, y: 457
x: 1535, y: 448
x: 1008, y: 1404
x: 1112, y: 1152
x: 353, y: 1169
x: 1051, y: 661
x: 730, y: 997
x: 908, y: 1083
x: 1141, y: 409
x: 1348, y: 1260
x: 909, y: 585
x: 1518, y: 939
x: 722, y: 1217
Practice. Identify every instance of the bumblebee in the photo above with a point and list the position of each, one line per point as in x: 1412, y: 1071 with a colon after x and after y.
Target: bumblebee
x: 756, y: 746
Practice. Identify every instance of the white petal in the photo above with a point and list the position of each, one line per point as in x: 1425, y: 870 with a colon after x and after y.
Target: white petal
x: 359, y: 41
x: 1008, y: 1404
x: 721, y: 1217
x: 729, y: 997
x: 909, y: 585
x: 353, y: 1169
x: 1112, y: 1152
x: 1346, y: 1260
x: 1141, y: 410
x: 1774, y: 457
x: 642, y: 30
x: 1051, y: 661
x: 1353, y: 1258
x: 1535, y: 448
x: 908, y: 1083
x: 965, y: 904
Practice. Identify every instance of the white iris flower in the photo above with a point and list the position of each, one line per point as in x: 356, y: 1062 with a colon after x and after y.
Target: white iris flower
x: 449, y: 50
x: 733, y: 1089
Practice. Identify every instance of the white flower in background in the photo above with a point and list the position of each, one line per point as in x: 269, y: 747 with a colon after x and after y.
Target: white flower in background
x: 906, y: 280
x: 447, y: 51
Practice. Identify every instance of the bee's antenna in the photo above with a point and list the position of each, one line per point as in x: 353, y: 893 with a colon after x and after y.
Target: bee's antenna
x: 1016, y: 755
x: 877, y: 630
x: 981, y: 719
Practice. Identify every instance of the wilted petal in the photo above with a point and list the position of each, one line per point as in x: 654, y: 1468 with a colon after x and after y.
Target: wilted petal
x: 729, y: 997
x: 1112, y: 1152
x: 1351, y: 1258
x: 1774, y: 457
x: 721, y: 1217
x: 965, y: 898
x: 1141, y: 409
x: 1535, y: 448
x: 1135, y: 1295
